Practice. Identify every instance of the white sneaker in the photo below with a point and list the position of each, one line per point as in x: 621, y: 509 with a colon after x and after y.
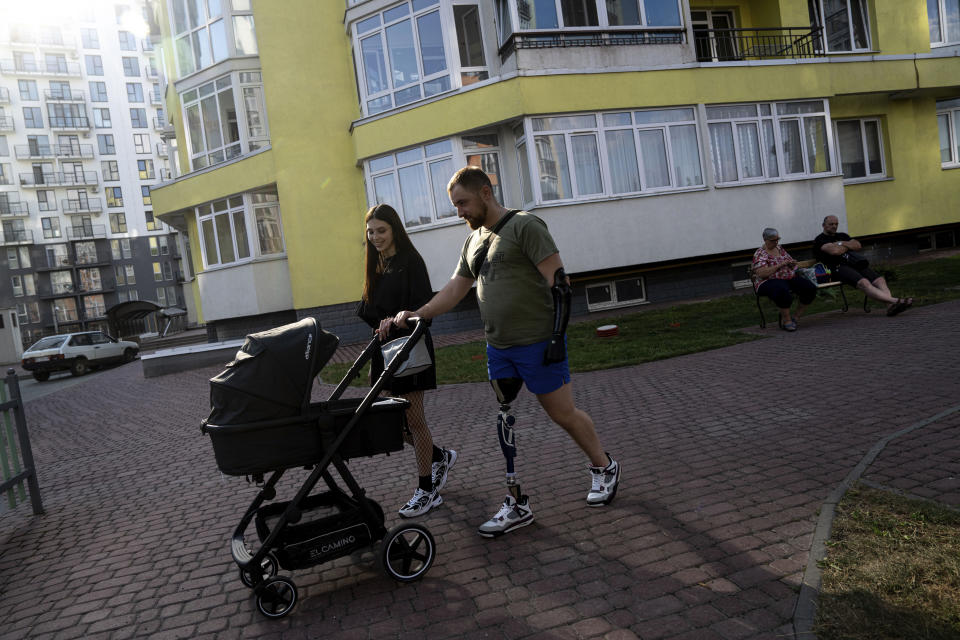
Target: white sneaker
x: 512, y: 515
x: 605, y: 482
x: 421, y: 502
x: 440, y: 469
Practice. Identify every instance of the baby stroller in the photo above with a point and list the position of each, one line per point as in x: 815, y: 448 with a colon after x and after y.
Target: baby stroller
x: 262, y: 422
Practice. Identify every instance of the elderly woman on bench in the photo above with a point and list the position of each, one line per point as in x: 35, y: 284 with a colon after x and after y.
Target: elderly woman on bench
x: 776, y: 277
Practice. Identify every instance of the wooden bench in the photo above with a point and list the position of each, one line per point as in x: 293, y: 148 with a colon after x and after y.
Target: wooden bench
x: 804, y: 264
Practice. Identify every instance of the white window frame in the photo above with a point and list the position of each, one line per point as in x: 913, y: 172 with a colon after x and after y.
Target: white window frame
x: 193, y: 98
x: 598, y: 130
x: 820, y: 21
x: 244, y: 204
x: 943, y: 40
x: 777, y: 118
x: 603, y: 20
x: 614, y: 302
x: 950, y: 111
x: 862, y: 122
x: 191, y: 36
x: 416, y: 9
x: 450, y: 151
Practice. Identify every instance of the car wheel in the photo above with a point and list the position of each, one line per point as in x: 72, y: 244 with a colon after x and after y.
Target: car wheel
x: 129, y: 355
x: 41, y: 376
x: 79, y: 367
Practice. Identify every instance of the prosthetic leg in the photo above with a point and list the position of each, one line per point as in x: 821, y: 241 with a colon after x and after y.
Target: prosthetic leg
x: 507, y: 390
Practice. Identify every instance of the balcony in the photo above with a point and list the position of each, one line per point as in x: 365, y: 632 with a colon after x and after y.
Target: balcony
x: 159, y: 124
x: 17, y: 236
x: 162, y: 149
x: 34, y: 151
x: 165, y: 175
x: 73, y: 151
x: 90, y: 205
x: 54, y: 263
x: 56, y: 41
x: 14, y: 209
x: 76, y: 179
x: 84, y: 232
x: 6, y: 123
x: 544, y: 39
x: 4, y: 95
x: 69, y: 123
x: 56, y: 291
x: 26, y: 68
x: 146, y: 44
x: 727, y: 45
x: 151, y: 72
x: 155, y: 98
x: 70, y: 95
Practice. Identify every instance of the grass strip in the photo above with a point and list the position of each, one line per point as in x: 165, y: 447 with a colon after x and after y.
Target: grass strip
x: 665, y: 332
x: 892, y: 570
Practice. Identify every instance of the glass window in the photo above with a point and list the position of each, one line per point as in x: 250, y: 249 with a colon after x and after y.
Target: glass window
x: 98, y: 91
x: 269, y: 227
x: 101, y: 118
x: 131, y: 67
x: 32, y: 118
x: 114, y: 196
x: 948, y: 123
x: 94, y: 65
x: 118, y: 222
x: 145, y: 194
x: 141, y: 143
x: 89, y: 38
x: 110, y: 170
x: 105, y: 144
x: 944, y: 19
x: 145, y: 169
x: 131, y: 275
x: 128, y: 42
x: 138, y: 118
x: 213, y: 128
x: 223, y: 231
x: 744, y: 142
x: 51, y: 227
x: 473, y: 65
x: 200, y: 33
x: 134, y: 92
x: 861, y: 154
x: 244, y: 36
x: 46, y: 200
x: 844, y: 24
x: 564, y: 14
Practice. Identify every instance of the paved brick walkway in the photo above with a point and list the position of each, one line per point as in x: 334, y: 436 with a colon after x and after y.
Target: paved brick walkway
x: 727, y: 457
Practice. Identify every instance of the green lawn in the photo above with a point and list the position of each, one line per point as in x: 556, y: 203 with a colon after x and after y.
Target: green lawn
x: 664, y: 332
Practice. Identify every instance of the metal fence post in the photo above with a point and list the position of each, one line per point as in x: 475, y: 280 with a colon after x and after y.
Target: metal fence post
x: 29, y: 472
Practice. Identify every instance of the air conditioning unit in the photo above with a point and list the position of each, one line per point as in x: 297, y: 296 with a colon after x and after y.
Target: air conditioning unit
x: 94, y: 189
x: 85, y: 134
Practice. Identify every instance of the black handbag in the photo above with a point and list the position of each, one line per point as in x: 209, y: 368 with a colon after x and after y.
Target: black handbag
x: 854, y: 260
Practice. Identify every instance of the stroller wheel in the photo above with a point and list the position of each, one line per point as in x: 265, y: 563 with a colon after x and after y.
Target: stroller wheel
x: 407, y: 552
x: 269, y: 565
x: 276, y: 597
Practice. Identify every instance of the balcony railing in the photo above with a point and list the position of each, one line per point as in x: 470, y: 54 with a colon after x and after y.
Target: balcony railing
x: 151, y: 72
x: 73, y: 150
x: 70, y: 95
x: 725, y: 45
x: 145, y: 44
x: 544, y: 39
x: 56, y: 291
x: 159, y: 123
x: 55, y: 262
x: 78, y: 179
x: 162, y: 149
x: 70, y: 123
x: 67, y: 315
x: 91, y: 205
x: 4, y: 95
x: 18, y: 236
x: 23, y: 67
x: 14, y: 209
x: 6, y: 123
x: 34, y: 151
x: 165, y: 174
x: 155, y: 98
x: 81, y: 232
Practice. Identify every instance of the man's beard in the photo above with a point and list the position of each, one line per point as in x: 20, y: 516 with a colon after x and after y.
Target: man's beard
x: 474, y: 225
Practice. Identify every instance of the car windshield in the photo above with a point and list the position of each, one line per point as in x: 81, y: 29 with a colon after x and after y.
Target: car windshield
x: 50, y: 342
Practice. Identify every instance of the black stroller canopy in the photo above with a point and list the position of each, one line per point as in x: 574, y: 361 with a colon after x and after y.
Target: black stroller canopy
x: 272, y: 375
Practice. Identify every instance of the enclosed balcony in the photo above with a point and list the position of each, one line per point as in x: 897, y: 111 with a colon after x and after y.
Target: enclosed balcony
x: 74, y: 206
x: 72, y: 179
x: 17, y: 236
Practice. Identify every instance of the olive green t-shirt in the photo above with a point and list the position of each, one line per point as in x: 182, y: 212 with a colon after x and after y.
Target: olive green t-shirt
x: 515, y: 301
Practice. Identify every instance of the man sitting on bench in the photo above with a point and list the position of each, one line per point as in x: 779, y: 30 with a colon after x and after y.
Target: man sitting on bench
x: 834, y: 249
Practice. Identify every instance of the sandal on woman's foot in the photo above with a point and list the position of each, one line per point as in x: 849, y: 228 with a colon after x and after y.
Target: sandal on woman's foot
x: 790, y: 326
x: 897, y: 307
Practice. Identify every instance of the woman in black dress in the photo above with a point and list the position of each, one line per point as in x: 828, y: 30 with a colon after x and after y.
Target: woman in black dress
x: 396, y: 279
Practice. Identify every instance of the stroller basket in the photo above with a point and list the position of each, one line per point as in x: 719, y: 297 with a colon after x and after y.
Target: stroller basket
x: 260, y: 447
x: 332, y: 525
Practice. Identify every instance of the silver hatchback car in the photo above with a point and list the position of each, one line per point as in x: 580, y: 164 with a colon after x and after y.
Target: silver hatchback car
x: 76, y: 352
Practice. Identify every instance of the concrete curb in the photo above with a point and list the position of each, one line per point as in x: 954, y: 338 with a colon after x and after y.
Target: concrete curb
x: 805, y: 613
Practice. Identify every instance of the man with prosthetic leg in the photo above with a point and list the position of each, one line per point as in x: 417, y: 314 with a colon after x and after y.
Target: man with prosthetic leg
x: 524, y: 300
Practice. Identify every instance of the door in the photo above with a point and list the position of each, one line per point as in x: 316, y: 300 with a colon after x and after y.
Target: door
x: 713, y: 35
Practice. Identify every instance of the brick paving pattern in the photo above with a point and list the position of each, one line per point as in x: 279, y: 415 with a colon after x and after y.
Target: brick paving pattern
x: 727, y: 456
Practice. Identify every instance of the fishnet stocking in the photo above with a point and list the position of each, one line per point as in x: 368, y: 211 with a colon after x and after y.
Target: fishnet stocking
x: 419, y: 435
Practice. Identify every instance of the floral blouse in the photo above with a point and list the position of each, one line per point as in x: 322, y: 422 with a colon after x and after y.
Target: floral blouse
x: 763, y: 259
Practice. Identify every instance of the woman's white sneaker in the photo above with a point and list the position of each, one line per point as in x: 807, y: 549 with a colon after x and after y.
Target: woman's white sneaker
x: 421, y: 502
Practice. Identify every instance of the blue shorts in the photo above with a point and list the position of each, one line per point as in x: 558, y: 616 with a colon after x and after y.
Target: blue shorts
x: 526, y: 362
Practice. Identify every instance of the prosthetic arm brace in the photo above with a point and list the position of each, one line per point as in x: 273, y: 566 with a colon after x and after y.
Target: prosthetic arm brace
x: 507, y: 390
x: 562, y: 295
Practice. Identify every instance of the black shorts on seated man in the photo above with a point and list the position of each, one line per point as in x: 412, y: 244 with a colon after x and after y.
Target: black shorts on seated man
x: 835, y: 250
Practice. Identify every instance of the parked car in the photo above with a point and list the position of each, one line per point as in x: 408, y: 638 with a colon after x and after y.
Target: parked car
x: 76, y: 352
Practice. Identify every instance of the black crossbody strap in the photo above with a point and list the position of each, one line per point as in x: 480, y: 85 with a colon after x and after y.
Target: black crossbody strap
x: 481, y: 255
